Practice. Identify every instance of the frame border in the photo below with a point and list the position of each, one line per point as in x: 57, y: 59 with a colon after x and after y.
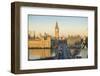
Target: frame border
x: 15, y: 37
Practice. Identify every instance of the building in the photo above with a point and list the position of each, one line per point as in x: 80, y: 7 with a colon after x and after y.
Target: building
x: 56, y: 31
x: 72, y: 40
x: 40, y: 42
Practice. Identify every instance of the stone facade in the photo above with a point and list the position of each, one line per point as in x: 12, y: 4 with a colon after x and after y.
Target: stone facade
x: 40, y: 43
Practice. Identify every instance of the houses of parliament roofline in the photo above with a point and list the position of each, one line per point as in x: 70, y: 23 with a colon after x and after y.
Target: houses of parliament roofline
x: 44, y: 41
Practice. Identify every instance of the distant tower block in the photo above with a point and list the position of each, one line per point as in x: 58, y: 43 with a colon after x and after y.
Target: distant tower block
x: 56, y: 31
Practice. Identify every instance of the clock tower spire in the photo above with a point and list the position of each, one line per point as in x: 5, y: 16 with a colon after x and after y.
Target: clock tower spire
x: 56, y: 31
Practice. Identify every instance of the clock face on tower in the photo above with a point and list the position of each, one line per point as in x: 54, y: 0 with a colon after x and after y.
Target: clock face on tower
x: 56, y: 30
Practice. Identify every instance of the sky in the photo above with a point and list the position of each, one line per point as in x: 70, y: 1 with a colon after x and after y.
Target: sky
x: 68, y: 25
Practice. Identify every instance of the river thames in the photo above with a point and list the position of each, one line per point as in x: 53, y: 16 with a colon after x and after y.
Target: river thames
x: 35, y: 54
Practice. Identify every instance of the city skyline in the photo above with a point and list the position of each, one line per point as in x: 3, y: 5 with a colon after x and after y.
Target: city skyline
x: 68, y: 25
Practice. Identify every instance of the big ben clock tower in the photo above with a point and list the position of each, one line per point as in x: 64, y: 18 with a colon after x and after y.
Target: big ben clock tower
x: 56, y: 31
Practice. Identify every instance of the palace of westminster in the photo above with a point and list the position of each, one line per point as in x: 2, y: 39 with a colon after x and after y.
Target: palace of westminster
x: 45, y: 41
